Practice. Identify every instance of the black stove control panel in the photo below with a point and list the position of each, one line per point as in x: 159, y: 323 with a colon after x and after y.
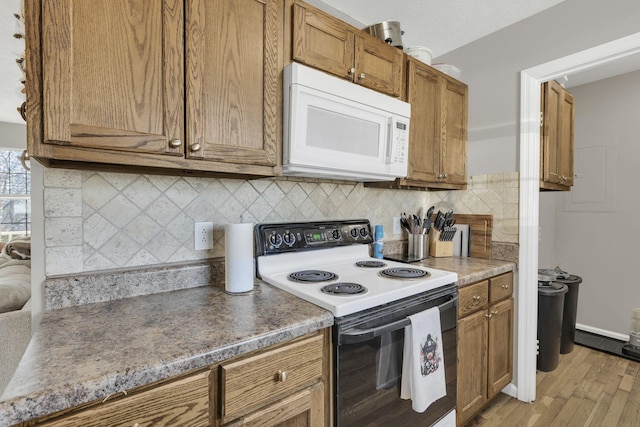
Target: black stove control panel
x: 291, y: 237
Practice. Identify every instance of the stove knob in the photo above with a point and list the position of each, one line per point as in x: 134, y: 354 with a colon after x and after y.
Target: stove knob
x: 335, y: 234
x: 363, y: 232
x: 289, y: 238
x: 354, y: 233
x: 275, y: 240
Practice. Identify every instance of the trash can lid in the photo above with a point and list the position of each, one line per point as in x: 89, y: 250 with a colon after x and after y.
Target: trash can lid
x: 572, y: 279
x: 551, y: 288
x: 555, y: 272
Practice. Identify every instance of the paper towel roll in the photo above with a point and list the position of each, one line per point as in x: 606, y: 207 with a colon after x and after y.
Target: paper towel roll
x: 238, y: 260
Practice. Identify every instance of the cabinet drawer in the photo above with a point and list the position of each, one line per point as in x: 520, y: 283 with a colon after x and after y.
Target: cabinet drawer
x: 252, y: 382
x: 184, y: 402
x: 473, y: 298
x: 500, y: 287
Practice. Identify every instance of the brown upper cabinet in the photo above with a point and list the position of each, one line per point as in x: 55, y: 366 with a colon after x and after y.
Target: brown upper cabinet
x: 438, y: 131
x: 183, y: 86
x: 556, y: 137
x: 331, y: 45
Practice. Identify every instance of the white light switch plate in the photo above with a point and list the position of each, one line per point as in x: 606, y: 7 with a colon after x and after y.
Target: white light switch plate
x: 396, y: 225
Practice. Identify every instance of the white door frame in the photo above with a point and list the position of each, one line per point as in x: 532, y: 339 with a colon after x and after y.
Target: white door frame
x: 530, y: 80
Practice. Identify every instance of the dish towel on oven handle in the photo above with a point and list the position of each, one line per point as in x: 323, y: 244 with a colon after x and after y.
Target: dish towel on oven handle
x: 423, y: 379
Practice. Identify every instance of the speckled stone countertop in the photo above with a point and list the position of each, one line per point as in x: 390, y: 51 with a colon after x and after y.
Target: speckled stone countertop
x: 470, y: 270
x: 87, y: 352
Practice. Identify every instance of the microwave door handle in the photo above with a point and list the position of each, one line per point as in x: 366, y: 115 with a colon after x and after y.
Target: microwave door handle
x: 387, y: 158
x: 356, y: 335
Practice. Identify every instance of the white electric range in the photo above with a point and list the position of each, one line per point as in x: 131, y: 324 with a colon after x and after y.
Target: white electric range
x: 328, y: 263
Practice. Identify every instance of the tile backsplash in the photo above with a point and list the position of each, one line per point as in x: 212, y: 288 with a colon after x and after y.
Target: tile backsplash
x: 102, y: 220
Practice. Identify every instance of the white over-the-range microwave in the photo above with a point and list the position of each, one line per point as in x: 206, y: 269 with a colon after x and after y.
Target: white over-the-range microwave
x: 337, y: 129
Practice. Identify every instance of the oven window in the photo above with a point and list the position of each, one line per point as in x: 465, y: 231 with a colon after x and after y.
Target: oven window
x: 368, y: 383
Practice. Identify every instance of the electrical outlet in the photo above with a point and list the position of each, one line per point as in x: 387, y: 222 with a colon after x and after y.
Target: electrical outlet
x: 396, y: 225
x: 203, y: 236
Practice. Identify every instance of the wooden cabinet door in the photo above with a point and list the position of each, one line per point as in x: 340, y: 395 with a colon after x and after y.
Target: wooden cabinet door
x: 438, y: 131
x: 453, y: 152
x: 302, y: 409
x: 379, y: 66
x: 112, y: 76
x: 565, y: 138
x: 556, y: 156
x: 233, y: 62
x: 500, y: 361
x: 323, y: 42
x: 472, y: 365
x: 424, y: 131
x: 184, y: 402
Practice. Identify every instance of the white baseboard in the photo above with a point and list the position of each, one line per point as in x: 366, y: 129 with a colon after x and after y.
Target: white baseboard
x: 603, y: 332
x: 511, y: 390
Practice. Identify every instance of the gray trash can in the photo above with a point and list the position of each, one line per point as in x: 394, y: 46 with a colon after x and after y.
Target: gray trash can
x: 550, y: 308
x: 570, y: 312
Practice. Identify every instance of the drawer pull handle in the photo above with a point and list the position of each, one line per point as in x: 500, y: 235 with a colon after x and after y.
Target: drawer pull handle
x: 281, y: 376
x: 476, y: 297
x: 505, y: 286
x: 123, y: 392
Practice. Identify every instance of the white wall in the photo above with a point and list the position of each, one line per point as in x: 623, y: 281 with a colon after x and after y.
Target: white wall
x: 491, y: 66
x: 13, y: 135
x: 596, y: 234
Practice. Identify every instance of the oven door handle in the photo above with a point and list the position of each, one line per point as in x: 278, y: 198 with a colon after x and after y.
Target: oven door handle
x: 356, y: 335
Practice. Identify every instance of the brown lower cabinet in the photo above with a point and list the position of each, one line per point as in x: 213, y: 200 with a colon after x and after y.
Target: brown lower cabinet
x: 286, y: 384
x: 485, y: 343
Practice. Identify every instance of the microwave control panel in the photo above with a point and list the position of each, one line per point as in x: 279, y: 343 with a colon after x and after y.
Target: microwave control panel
x: 400, y: 141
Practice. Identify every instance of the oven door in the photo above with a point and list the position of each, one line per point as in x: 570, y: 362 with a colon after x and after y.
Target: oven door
x: 368, y: 355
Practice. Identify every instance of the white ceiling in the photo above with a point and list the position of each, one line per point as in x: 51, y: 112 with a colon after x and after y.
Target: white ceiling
x: 441, y: 26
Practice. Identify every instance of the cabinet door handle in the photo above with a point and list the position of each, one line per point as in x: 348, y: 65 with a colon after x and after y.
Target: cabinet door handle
x: 351, y: 71
x: 22, y: 109
x: 488, y: 315
x: 476, y: 297
x: 505, y: 286
x: 175, y: 143
x: 361, y: 76
x: 24, y: 158
x: 494, y: 312
x: 194, y: 147
x: 281, y: 376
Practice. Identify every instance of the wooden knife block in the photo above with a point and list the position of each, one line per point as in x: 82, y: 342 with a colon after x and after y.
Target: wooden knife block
x: 438, y: 248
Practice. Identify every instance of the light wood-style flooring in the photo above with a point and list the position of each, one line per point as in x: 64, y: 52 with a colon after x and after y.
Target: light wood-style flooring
x: 589, y: 388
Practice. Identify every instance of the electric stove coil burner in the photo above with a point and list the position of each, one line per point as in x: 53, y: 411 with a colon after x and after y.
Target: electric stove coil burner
x: 370, y: 264
x: 404, y: 273
x: 344, y: 289
x: 312, y: 276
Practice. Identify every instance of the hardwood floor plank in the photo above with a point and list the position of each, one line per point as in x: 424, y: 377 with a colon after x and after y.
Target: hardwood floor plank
x: 581, y: 415
x: 589, y: 388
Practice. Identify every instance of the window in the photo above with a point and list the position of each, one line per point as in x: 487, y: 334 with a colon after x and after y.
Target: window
x: 15, y: 200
